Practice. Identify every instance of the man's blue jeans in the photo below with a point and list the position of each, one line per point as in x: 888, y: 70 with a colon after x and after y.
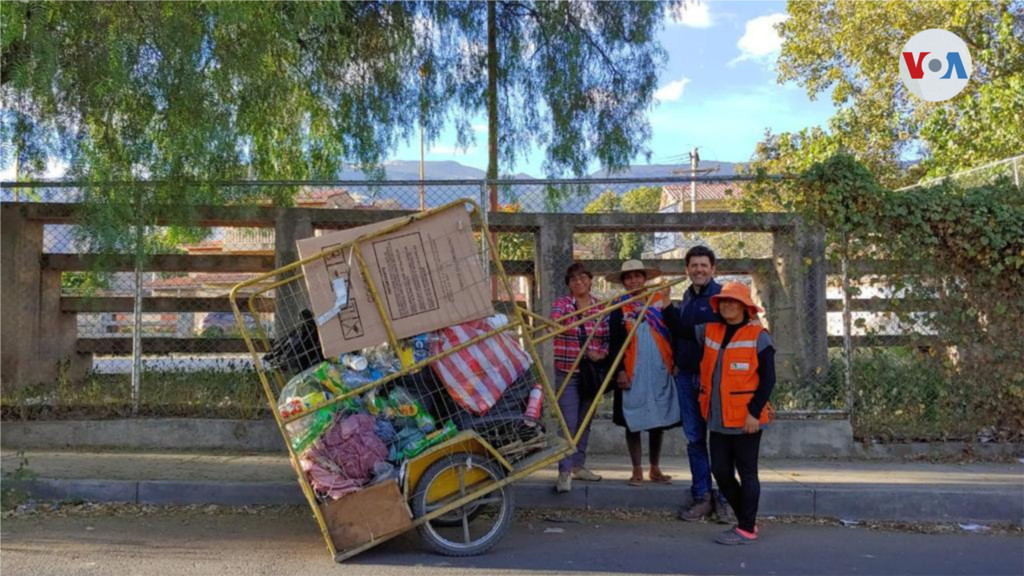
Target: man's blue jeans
x: 696, y: 431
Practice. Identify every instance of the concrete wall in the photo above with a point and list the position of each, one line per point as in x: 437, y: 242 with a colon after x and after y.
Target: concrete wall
x: 170, y: 434
x: 37, y: 335
x: 783, y: 439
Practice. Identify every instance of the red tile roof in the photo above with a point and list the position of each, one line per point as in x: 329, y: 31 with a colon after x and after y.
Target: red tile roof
x: 706, y: 191
x: 318, y: 197
x: 206, y: 246
x: 197, y: 279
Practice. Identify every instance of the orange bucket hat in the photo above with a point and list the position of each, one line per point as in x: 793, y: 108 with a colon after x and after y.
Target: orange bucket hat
x: 739, y: 292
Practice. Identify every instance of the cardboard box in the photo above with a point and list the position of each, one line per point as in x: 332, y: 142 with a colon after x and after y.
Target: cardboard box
x: 428, y: 275
x: 374, y: 512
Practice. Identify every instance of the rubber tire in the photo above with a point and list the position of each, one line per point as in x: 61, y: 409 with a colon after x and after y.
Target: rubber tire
x: 419, y: 505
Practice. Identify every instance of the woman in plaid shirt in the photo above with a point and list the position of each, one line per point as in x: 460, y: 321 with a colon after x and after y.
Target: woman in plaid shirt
x: 575, y: 402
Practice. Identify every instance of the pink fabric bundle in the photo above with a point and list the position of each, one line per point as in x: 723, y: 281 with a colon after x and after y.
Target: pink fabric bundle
x: 342, y: 460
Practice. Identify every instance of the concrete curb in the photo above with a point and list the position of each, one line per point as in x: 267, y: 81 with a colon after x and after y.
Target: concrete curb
x: 852, y: 503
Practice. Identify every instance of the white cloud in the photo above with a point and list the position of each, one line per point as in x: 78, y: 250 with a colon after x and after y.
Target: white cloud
x: 672, y: 91
x: 730, y: 122
x: 479, y: 127
x: 760, y: 40
x: 693, y: 15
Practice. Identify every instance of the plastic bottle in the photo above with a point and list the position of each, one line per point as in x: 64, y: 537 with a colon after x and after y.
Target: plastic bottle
x: 497, y: 321
x: 329, y: 376
x: 534, y: 404
x: 408, y: 407
x: 426, y: 345
x: 373, y: 403
x: 447, y: 431
x: 404, y: 355
x: 355, y: 362
x: 420, y: 348
x: 303, y: 433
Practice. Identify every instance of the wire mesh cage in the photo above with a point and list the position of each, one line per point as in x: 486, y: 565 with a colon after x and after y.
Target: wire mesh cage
x: 405, y: 379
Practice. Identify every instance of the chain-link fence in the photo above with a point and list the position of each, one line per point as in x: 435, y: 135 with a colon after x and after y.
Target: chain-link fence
x: 192, y: 360
x: 1011, y: 168
x: 928, y: 357
x: 658, y: 221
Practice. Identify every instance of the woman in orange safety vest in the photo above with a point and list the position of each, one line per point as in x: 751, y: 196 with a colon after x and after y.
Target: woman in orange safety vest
x: 737, y: 375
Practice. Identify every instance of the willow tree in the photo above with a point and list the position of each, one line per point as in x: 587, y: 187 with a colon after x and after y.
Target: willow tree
x: 192, y: 92
x: 204, y: 91
x: 573, y: 78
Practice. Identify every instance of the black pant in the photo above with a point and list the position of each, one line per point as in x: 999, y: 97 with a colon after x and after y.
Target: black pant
x: 738, y: 453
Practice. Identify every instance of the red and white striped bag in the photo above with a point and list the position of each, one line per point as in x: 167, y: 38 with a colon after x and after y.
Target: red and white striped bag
x: 478, y: 375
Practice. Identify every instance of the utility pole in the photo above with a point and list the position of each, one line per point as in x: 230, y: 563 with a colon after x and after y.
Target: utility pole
x: 693, y: 172
x: 423, y: 172
x: 694, y: 163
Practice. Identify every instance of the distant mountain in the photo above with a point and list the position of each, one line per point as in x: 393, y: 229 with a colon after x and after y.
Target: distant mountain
x: 433, y: 169
x: 451, y: 170
x: 667, y: 170
x: 532, y: 197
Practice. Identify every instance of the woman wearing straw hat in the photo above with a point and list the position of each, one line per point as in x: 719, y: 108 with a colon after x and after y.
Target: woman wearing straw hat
x: 737, y: 375
x: 645, y: 398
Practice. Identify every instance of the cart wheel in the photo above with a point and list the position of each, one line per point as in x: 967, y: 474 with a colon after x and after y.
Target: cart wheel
x: 471, y: 529
x: 453, y: 519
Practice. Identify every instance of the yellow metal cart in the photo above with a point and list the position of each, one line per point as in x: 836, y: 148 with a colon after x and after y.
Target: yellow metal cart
x: 456, y: 491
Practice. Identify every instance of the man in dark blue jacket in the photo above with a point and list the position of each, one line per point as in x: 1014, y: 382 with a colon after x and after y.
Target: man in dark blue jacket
x: 682, y: 318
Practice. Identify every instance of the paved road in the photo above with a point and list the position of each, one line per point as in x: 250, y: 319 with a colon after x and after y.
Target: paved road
x: 287, y: 542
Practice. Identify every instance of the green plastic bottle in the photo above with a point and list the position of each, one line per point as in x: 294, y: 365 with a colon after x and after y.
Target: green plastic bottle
x: 433, y: 439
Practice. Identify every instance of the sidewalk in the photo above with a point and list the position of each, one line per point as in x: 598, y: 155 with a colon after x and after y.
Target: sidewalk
x: 855, y: 490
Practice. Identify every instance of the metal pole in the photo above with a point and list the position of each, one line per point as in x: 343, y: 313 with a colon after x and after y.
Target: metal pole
x: 847, y: 333
x: 694, y: 162
x: 423, y: 171
x: 1016, y: 172
x: 423, y: 151
x: 485, y: 245
x: 17, y: 175
x: 137, y: 306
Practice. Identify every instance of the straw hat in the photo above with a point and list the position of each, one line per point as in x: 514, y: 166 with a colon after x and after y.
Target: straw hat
x: 632, y: 266
x: 739, y: 292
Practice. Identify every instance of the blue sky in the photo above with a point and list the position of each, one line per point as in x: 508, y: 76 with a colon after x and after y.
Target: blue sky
x: 718, y: 91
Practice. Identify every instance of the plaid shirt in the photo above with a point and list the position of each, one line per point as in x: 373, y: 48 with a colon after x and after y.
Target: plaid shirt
x: 567, y: 345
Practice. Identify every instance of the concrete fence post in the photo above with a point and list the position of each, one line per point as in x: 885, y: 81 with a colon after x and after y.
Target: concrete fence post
x: 290, y: 298
x: 22, y: 242
x: 36, y: 338
x: 552, y: 253
x: 797, y: 306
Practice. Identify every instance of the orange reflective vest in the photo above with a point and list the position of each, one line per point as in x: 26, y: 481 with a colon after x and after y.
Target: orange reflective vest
x: 739, y: 377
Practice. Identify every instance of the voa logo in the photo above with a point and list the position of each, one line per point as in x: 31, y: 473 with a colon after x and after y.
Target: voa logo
x: 935, y: 65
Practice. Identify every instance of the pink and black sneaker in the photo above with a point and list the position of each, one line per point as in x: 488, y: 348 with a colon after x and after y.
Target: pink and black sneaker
x: 736, y: 536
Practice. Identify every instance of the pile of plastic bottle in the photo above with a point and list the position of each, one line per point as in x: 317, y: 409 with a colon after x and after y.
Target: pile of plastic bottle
x: 402, y: 422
